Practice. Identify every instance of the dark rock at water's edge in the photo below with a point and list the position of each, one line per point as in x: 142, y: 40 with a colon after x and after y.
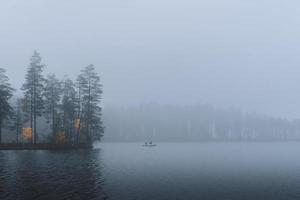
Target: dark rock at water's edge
x: 44, y: 146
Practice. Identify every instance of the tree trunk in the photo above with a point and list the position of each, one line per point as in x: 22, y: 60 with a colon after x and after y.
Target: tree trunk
x: 31, y: 119
x: 71, y: 132
x: 34, y: 129
x: 89, y: 114
x: 53, y: 115
x: 53, y: 124
x: 34, y: 114
x: 87, y: 134
x: 77, y: 136
x: 0, y: 131
x: 79, y: 113
x: 17, y: 134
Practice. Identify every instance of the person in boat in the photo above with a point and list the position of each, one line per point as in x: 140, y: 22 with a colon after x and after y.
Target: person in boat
x: 150, y: 142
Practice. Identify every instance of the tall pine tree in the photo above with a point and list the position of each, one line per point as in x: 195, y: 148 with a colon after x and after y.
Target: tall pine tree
x: 52, y: 95
x: 6, y: 92
x: 69, y: 100
x: 90, y: 95
x: 33, y: 91
x: 80, y: 81
x: 16, y: 120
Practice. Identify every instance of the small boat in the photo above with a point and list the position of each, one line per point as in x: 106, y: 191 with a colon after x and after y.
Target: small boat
x: 150, y: 144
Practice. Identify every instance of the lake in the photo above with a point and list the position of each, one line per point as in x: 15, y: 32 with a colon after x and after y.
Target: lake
x: 129, y: 171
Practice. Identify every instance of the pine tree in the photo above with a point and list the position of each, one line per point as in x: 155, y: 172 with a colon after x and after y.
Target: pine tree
x: 6, y: 92
x: 90, y: 90
x: 52, y: 93
x: 16, y: 120
x: 33, y: 90
x: 80, y: 81
x: 69, y: 100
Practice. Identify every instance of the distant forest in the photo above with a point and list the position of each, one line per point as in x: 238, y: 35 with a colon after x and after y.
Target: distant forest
x: 51, y: 110
x: 194, y: 123
x: 69, y: 111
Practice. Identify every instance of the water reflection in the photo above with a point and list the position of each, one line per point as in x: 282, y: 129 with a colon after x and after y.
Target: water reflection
x: 51, y: 175
x: 130, y: 171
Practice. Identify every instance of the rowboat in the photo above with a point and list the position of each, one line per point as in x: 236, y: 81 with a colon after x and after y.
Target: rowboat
x: 150, y: 144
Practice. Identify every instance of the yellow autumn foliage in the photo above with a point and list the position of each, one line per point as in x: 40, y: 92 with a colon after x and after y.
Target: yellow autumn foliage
x: 27, y: 133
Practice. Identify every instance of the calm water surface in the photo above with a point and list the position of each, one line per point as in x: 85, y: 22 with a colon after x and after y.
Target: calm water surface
x: 168, y: 171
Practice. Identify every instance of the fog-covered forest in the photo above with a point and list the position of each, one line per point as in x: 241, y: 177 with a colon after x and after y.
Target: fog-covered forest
x: 69, y: 111
x: 51, y: 110
x: 194, y: 123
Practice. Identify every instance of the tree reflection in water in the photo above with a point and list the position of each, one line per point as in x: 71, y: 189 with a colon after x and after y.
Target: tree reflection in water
x: 59, y: 175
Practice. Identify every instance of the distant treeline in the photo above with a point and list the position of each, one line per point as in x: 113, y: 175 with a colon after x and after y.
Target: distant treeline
x: 51, y: 110
x: 194, y: 123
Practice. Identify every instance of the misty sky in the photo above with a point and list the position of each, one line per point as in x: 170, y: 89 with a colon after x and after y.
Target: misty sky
x: 240, y: 53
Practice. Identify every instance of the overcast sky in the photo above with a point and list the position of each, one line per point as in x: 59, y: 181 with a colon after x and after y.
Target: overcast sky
x: 240, y: 53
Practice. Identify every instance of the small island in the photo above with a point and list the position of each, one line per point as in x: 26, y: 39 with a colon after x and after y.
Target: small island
x: 50, y: 113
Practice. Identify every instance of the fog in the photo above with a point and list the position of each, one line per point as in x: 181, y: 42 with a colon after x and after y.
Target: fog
x: 197, y: 99
x: 194, y: 123
x: 242, y: 54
